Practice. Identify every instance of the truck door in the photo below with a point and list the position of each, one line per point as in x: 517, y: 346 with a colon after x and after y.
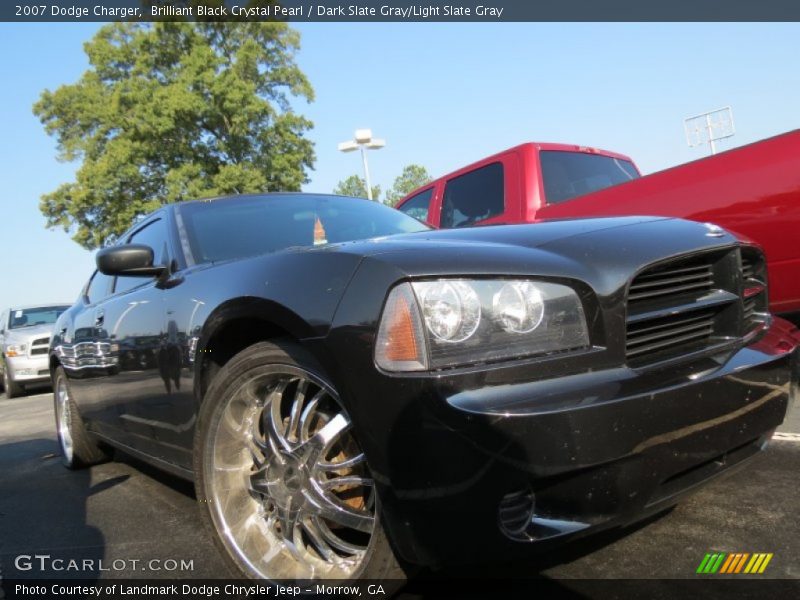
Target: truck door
x: 477, y: 197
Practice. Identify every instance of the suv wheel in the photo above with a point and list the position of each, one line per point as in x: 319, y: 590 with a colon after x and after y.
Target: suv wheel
x: 12, y: 388
x: 78, y: 449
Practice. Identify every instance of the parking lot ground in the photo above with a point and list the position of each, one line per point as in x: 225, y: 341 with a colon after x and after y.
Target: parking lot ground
x: 136, y: 518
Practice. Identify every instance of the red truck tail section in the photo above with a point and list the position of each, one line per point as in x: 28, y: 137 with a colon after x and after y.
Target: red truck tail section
x: 753, y: 191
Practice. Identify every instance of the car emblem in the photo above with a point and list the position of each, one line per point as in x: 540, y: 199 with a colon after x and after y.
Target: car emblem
x: 714, y: 231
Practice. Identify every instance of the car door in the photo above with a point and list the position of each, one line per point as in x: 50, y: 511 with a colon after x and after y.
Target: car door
x: 83, y: 360
x: 129, y: 328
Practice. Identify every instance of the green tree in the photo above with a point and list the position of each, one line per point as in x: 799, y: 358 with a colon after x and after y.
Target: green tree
x: 412, y: 177
x: 357, y: 187
x: 171, y: 111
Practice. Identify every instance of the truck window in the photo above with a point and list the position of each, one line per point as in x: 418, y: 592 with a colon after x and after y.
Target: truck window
x: 474, y: 197
x: 99, y: 287
x: 418, y: 206
x: 569, y: 174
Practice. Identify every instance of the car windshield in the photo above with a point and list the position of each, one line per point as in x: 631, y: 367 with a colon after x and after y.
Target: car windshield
x: 250, y: 225
x: 40, y: 315
x: 567, y: 175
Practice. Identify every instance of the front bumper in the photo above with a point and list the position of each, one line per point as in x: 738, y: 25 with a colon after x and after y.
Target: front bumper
x: 28, y: 369
x: 459, y: 459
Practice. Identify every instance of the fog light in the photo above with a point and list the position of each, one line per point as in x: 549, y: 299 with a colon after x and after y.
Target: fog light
x: 515, y: 512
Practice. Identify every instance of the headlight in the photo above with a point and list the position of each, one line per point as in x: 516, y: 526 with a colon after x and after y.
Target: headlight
x: 453, y: 322
x: 519, y: 306
x: 15, y: 350
x: 451, y: 309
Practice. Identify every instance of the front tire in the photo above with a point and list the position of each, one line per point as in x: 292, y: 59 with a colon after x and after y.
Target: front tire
x: 12, y: 388
x: 78, y: 449
x: 281, y: 480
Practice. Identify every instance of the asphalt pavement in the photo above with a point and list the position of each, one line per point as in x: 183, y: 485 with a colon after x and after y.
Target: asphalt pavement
x: 139, y: 522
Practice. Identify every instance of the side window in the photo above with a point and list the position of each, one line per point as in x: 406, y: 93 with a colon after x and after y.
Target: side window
x: 474, y: 197
x: 99, y: 287
x: 567, y: 175
x: 418, y: 206
x: 154, y: 234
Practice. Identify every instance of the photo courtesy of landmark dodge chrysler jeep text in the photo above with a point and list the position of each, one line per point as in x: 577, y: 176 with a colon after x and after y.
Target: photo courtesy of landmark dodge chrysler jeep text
x: 353, y: 393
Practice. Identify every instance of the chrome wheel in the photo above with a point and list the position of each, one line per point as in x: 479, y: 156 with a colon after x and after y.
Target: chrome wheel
x: 64, y: 420
x: 287, y: 482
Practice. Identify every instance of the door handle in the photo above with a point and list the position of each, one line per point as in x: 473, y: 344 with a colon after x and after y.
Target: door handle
x: 99, y: 317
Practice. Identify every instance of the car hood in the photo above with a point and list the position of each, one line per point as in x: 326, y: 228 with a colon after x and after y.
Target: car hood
x: 606, y: 252
x: 24, y: 334
x: 662, y: 235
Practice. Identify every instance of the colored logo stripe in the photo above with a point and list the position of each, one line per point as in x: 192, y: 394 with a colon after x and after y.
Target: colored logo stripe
x: 758, y: 563
x: 734, y: 563
x: 721, y: 562
x: 711, y: 563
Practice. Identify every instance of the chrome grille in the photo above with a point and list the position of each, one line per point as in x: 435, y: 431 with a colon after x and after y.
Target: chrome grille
x: 749, y: 312
x: 658, y: 335
x: 694, y: 303
x: 40, y: 346
x: 670, y: 281
x: 678, y: 307
x: 754, y: 296
x: 748, y: 268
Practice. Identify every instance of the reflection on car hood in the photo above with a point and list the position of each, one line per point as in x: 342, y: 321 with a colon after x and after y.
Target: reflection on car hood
x: 24, y: 334
x: 527, y: 235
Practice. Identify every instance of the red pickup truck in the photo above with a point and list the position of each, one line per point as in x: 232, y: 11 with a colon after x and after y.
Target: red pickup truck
x: 753, y: 191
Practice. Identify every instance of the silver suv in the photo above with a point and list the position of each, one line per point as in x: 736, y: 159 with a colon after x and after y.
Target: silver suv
x: 25, y: 334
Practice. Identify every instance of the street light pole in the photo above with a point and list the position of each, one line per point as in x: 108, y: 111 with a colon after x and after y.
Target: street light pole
x: 363, y: 141
x: 366, y: 172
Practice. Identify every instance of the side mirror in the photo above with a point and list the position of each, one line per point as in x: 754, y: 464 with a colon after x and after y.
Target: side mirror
x: 133, y: 260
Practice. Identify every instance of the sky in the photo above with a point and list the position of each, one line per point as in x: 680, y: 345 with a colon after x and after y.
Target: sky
x: 441, y: 95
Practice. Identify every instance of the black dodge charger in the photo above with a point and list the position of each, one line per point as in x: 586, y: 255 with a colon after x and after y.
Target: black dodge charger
x: 354, y: 394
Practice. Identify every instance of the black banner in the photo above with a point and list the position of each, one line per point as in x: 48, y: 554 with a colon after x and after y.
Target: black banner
x: 491, y: 11
x: 425, y: 588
